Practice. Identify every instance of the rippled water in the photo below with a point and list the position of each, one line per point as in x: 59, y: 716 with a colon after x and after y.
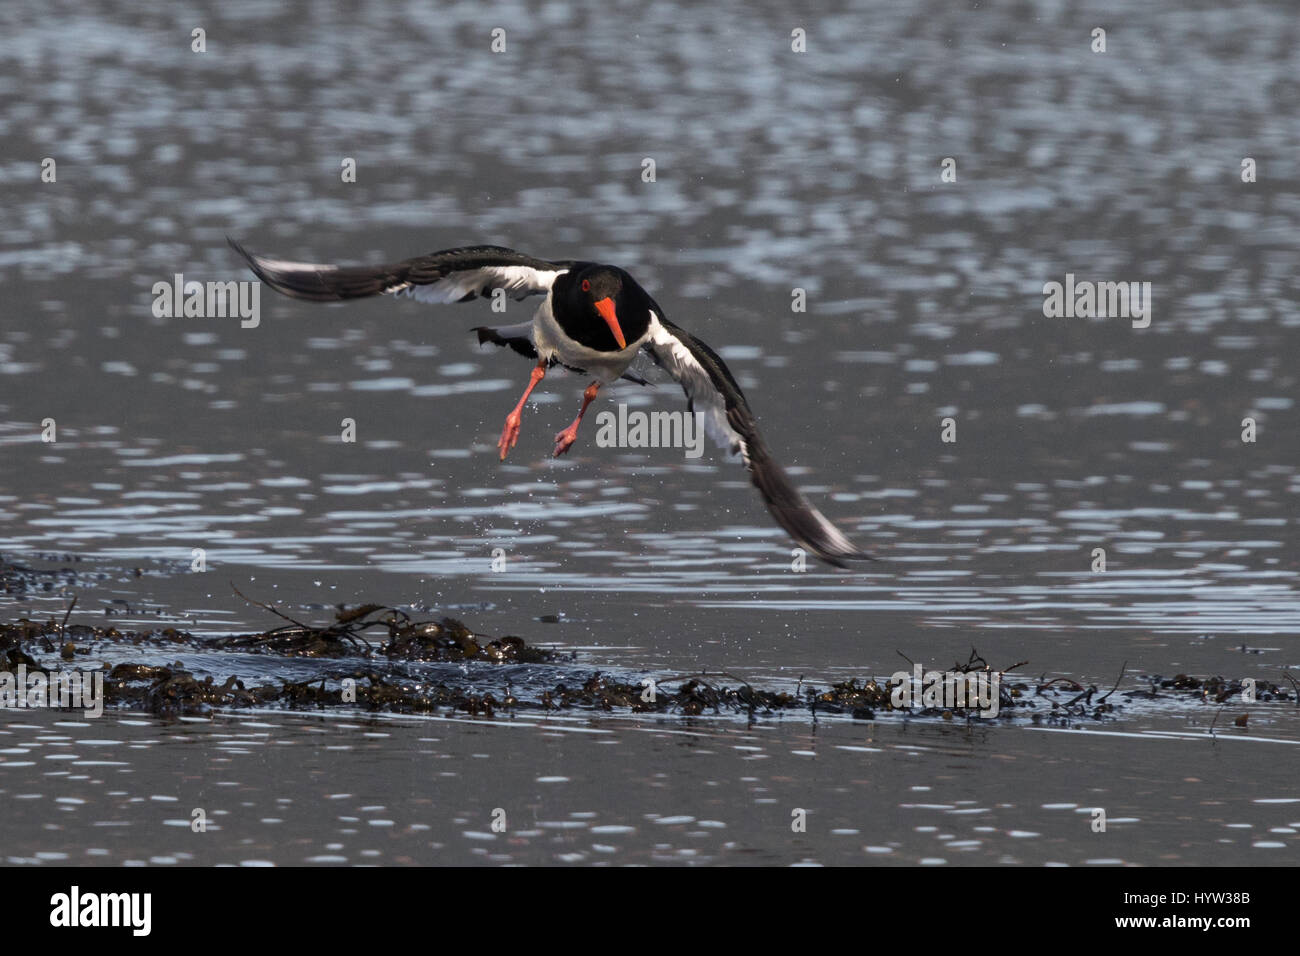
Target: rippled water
x: 775, y: 171
x: 285, y: 789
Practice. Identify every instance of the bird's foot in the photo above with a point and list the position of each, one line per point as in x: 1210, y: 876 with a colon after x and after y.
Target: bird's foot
x: 509, y: 434
x: 564, y: 439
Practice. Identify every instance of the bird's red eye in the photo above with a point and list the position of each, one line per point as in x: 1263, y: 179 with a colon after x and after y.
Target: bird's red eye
x: 586, y: 285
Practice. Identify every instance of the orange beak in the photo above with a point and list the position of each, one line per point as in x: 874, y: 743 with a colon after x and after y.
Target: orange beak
x: 606, y: 309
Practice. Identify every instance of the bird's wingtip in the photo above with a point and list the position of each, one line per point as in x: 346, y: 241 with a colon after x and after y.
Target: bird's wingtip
x: 238, y: 247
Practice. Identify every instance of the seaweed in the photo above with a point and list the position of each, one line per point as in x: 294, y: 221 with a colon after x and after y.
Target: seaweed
x: 353, y: 628
x: 379, y: 658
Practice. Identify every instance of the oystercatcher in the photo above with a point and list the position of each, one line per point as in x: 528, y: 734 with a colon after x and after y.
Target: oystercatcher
x: 593, y: 320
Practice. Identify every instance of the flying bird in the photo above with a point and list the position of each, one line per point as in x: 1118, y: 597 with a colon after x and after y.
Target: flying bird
x: 594, y: 319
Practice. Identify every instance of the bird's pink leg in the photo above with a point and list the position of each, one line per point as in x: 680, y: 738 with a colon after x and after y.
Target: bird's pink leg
x: 510, y: 434
x: 567, y: 437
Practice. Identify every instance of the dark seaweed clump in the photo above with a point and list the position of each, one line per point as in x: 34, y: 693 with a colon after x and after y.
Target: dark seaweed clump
x: 376, y: 631
x: 380, y: 658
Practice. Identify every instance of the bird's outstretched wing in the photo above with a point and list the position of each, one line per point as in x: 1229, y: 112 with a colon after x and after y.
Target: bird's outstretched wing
x: 453, y: 275
x: 710, y: 388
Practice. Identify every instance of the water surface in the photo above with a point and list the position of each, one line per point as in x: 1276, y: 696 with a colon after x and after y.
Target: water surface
x: 774, y: 171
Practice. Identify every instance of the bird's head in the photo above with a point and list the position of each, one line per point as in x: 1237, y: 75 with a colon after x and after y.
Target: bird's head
x: 599, y: 288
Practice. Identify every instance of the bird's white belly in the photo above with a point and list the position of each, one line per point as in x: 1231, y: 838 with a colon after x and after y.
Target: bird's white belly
x: 552, y: 343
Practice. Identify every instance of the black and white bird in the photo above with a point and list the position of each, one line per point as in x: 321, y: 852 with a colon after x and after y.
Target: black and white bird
x: 594, y: 319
